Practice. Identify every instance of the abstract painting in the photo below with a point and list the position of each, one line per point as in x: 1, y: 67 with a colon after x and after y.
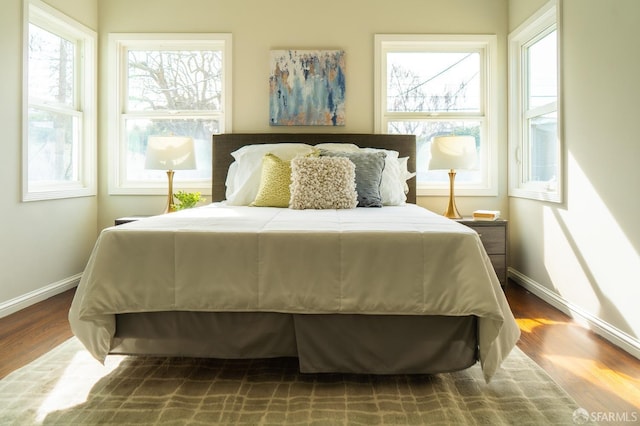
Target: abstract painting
x: 307, y: 88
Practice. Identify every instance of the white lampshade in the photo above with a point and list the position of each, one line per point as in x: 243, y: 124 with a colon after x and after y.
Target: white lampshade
x: 170, y: 153
x: 453, y: 152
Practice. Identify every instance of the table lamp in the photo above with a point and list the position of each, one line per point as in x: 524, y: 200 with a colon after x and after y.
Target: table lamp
x: 170, y: 153
x: 453, y: 152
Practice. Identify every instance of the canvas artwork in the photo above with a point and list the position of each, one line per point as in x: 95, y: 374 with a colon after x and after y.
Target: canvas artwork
x: 307, y: 88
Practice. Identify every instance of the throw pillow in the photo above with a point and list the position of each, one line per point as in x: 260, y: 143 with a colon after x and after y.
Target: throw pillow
x: 369, y: 167
x: 242, y: 187
x: 392, y: 185
x: 323, y: 183
x: 275, y: 179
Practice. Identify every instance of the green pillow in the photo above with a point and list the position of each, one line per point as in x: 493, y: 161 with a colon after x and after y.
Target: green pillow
x: 275, y: 179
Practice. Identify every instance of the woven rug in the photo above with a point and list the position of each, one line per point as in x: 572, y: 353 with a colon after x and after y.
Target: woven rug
x: 68, y: 387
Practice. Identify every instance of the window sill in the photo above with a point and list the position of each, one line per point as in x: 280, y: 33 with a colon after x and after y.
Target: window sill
x: 552, y: 197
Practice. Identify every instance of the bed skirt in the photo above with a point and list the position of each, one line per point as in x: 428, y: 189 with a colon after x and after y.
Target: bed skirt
x: 337, y: 343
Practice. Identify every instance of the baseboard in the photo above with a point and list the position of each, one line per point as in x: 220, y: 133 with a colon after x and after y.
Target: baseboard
x: 597, y: 325
x: 33, y: 297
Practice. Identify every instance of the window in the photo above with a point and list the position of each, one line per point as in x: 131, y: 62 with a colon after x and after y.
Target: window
x: 437, y: 85
x: 161, y: 85
x: 59, y: 118
x: 534, y: 142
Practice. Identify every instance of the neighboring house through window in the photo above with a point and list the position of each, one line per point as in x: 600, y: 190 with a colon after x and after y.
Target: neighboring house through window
x: 534, y: 125
x: 163, y: 85
x: 59, y: 118
x: 440, y: 85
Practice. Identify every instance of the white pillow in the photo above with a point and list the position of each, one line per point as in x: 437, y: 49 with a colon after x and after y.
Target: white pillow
x: 392, y: 184
x: 338, y: 146
x: 243, y: 178
x: 231, y: 178
x: 404, y: 171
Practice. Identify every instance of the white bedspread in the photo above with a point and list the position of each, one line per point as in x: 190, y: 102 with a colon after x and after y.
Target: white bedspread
x: 392, y: 260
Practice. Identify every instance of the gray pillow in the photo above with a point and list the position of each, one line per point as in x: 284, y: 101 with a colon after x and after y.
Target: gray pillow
x: 369, y: 167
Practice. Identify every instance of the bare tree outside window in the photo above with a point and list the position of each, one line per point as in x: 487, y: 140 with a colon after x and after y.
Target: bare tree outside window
x: 174, y: 80
x: 426, y: 89
x: 172, y: 92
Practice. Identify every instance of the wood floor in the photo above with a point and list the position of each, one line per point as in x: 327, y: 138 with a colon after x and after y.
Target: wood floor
x: 599, y: 376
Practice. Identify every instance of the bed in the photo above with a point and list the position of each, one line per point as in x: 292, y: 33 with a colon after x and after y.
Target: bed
x: 389, y: 290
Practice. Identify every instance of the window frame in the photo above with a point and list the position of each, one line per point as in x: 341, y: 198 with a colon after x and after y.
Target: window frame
x: 84, y: 109
x: 486, y: 45
x: 119, y: 43
x: 543, y: 22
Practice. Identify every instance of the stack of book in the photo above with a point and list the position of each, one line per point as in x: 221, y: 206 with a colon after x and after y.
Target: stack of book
x: 486, y: 214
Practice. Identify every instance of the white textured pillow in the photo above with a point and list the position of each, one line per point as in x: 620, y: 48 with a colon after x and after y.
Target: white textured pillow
x: 392, y: 184
x: 323, y: 183
x: 243, y: 179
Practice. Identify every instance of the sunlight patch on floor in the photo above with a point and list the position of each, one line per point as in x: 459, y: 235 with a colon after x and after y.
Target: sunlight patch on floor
x: 529, y: 324
x: 604, y: 378
x: 73, y: 387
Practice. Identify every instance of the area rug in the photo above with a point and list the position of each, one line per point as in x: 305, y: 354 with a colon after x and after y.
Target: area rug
x: 68, y: 387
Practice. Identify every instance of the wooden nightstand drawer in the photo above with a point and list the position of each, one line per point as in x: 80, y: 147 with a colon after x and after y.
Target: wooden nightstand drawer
x: 493, y: 235
x: 493, y: 238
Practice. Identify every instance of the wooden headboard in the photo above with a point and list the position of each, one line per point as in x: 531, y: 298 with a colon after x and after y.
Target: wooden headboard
x: 225, y: 144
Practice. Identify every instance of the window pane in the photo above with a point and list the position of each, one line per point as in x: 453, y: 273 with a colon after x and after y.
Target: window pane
x: 174, y: 80
x: 425, y: 131
x: 53, y: 147
x: 543, y: 71
x: 433, y: 81
x: 51, y: 67
x: 139, y: 130
x: 543, y: 148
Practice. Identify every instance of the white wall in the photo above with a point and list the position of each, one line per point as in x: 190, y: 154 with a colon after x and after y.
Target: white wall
x: 584, y: 254
x: 259, y: 26
x: 43, y: 244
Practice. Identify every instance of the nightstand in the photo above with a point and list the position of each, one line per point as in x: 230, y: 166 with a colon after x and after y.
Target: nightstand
x: 127, y: 219
x: 493, y: 235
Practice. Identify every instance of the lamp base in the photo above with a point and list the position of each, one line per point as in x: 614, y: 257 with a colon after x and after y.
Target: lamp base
x: 452, y: 210
x: 171, y: 207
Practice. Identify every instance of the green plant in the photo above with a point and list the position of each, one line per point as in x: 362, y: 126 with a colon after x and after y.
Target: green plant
x: 186, y: 200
